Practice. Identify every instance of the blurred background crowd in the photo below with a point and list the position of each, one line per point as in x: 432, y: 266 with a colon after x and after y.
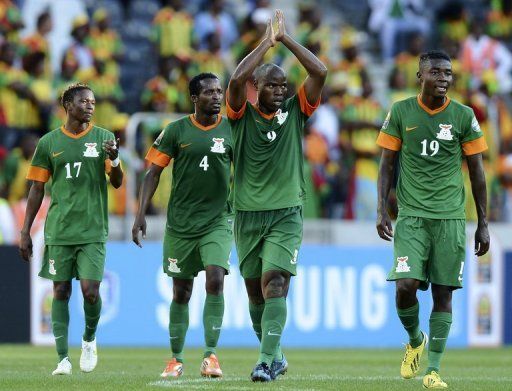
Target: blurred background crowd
x: 138, y: 55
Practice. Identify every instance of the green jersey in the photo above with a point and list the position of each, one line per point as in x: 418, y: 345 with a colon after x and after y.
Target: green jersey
x: 431, y: 145
x: 269, y: 172
x: 76, y: 163
x: 201, y: 173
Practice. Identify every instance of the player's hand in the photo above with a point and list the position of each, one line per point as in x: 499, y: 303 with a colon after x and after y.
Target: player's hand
x: 111, y: 148
x: 139, y: 225
x: 281, y: 29
x: 482, y: 240
x: 269, y: 34
x: 26, y: 246
x: 384, y: 227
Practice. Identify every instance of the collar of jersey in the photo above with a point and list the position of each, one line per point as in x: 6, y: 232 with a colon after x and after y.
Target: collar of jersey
x: 205, y: 128
x: 72, y: 135
x: 430, y: 111
x: 261, y: 113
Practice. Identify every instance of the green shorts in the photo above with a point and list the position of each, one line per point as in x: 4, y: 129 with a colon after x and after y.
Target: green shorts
x: 184, y: 258
x: 80, y: 261
x: 268, y: 240
x: 429, y: 250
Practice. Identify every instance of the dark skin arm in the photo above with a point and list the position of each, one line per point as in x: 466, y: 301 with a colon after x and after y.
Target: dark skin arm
x: 35, y: 197
x: 384, y: 182
x: 317, y: 71
x: 116, y: 174
x: 479, y: 190
x: 147, y: 190
x: 237, y: 92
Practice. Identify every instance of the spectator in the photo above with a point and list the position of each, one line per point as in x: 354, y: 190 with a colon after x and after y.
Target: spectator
x: 407, y: 61
x: 38, y: 41
x: 10, y: 21
x: 78, y: 48
x: 16, y: 168
x: 211, y: 60
x: 216, y: 19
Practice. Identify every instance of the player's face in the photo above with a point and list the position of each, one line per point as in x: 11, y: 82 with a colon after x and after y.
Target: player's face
x: 82, y: 107
x: 209, y: 99
x: 272, y: 89
x: 436, y: 77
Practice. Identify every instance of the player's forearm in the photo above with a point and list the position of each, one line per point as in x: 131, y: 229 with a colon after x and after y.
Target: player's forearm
x: 385, y: 179
x: 478, y: 186
x: 116, y: 176
x: 309, y: 61
x: 35, y: 198
x: 245, y: 69
x: 148, y: 188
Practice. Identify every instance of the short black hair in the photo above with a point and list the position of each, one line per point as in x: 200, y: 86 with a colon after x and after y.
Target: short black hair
x: 69, y: 93
x: 43, y: 17
x: 433, y: 55
x: 194, y: 86
x: 263, y: 69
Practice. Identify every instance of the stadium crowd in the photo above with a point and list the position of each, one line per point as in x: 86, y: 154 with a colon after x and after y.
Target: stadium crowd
x: 103, y: 38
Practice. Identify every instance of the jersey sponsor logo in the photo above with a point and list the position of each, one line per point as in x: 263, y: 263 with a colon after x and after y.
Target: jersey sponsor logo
x: 386, y: 121
x: 91, y: 150
x: 173, y: 265
x: 159, y: 138
x: 475, y: 126
x: 185, y: 145
x: 55, y: 154
x: 444, y: 133
x: 402, y: 266
x: 409, y: 128
x: 51, y: 267
x: 281, y: 117
x: 218, y: 146
x: 294, y: 259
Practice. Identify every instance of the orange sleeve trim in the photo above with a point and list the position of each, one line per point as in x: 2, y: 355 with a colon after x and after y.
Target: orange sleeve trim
x: 232, y: 114
x: 389, y: 142
x: 38, y: 174
x: 474, y: 146
x: 159, y: 158
x: 306, y: 107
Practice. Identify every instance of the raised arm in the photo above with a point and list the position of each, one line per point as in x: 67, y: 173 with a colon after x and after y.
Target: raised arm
x: 237, y: 94
x: 386, y: 174
x: 147, y: 190
x: 116, y: 173
x: 35, y: 197
x: 317, y: 71
x: 479, y: 190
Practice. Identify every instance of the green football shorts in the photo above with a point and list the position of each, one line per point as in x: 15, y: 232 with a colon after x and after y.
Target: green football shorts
x: 184, y: 258
x: 429, y: 250
x: 268, y: 240
x: 81, y: 261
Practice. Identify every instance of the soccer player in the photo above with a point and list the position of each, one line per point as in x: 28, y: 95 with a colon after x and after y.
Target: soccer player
x: 76, y: 157
x: 269, y: 185
x: 431, y: 133
x: 199, y: 232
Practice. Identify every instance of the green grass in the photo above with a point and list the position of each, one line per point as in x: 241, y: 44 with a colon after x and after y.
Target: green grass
x: 29, y: 368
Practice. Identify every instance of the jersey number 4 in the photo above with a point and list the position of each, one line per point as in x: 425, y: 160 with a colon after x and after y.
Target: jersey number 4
x: 204, y: 163
x: 76, y: 166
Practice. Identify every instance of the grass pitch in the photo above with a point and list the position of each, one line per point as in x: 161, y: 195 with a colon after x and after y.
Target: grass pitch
x: 25, y: 367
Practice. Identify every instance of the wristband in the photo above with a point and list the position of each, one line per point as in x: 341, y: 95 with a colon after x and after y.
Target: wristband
x: 115, y: 162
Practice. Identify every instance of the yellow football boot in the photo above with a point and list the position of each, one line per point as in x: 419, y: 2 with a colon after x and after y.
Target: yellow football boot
x: 411, y: 362
x: 432, y: 380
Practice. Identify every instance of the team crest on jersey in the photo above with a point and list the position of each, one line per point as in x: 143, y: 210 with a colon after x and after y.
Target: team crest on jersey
x: 173, y: 265
x: 402, y: 266
x: 218, y: 146
x: 444, y: 133
x: 281, y: 117
x: 51, y: 267
x: 91, y: 150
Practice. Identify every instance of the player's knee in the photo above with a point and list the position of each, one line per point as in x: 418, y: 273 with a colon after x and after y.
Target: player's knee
x: 91, y: 295
x: 62, y: 292
x: 215, y: 286
x: 181, y: 295
x: 406, y: 288
x: 276, y: 287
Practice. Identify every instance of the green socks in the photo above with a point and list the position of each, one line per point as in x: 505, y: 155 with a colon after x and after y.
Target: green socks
x: 60, y: 323
x: 213, y: 313
x: 178, y: 325
x: 440, y: 323
x: 256, y: 312
x: 92, y: 317
x: 411, y: 322
x: 272, y: 322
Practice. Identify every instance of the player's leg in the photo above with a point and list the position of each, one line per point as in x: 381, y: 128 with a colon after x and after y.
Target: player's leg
x: 256, y: 303
x: 446, y: 275
x: 58, y: 265
x: 411, y: 252
x: 90, y: 265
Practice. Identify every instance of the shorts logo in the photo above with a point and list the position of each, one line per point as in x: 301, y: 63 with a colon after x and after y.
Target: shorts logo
x: 402, y: 266
x: 218, y: 147
x: 444, y: 133
x: 51, y: 267
x: 294, y: 260
x: 173, y: 266
x: 91, y: 150
x: 281, y: 117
